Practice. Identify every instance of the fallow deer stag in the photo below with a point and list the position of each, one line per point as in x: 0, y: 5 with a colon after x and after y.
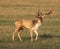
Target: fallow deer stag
x: 31, y: 25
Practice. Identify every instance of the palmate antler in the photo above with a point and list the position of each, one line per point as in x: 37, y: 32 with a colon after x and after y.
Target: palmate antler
x: 41, y: 14
x: 48, y: 13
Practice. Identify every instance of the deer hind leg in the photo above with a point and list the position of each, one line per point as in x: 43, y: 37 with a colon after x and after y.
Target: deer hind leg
x: 19, y: 34
x: 31, y: 35
x: 36, y: 34
x: 16, y: 30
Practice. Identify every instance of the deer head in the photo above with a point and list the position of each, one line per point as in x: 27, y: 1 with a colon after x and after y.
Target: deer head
x: 39, y: 14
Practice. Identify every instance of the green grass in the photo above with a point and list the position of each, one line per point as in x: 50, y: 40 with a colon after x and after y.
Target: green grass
x: 49, y: 32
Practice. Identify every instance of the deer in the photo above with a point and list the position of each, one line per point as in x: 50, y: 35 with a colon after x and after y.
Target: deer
x: 31, y: 25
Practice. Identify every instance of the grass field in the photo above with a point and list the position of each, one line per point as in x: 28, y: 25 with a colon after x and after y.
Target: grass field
x: 49, y: 32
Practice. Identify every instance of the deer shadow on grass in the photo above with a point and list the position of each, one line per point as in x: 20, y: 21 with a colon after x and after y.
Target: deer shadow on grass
x: 46, y: 36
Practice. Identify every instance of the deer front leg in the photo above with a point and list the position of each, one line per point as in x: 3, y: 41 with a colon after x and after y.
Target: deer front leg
x: 35, y: 31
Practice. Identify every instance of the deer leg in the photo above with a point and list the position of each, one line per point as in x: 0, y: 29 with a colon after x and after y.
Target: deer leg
x: 19, y: 36
x: 13, y: 36
x: 31, y: 35
x: 36, y: 34
x: 16, y: 30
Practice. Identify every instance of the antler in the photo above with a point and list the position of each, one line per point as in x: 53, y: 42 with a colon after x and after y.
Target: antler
x: 50, y: 11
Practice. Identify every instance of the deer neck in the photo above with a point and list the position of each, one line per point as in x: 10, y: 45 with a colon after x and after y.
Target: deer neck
x: 36, y: 24
x: 39, y: 19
